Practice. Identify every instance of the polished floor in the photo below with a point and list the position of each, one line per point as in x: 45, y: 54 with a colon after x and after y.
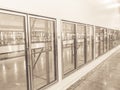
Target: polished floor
x: 105, y: 76
x: 13, y: 73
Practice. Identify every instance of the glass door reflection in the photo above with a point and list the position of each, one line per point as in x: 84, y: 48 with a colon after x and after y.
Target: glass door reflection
x: 97, y: 42
x: 101, y: 41
x: 89, y: 43
x: 68, y: 53
x: 43, y: 56
x: 12, y: 52
x: 80, y: 44
x: 105, y: 40
x: 111, y: 38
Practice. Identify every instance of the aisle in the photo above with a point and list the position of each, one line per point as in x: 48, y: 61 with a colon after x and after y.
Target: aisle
x: 105, y: 77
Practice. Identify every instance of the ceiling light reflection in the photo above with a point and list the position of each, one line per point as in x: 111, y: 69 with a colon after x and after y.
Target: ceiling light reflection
x: 4, y: 73
x: 15, y: 71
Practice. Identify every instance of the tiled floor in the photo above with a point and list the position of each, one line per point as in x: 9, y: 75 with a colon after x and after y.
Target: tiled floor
x: 105, y: 77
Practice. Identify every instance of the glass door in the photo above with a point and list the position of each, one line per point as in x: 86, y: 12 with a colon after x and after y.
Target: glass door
x: 43, y: 54
x: 101, y: 41
x: 115, y: 38
x: 111, y: 38
x: 105, y: 40
x: 12, y: 51
x: 80, y: 44
x: 89, y: 43
x: 107, y: 33
x: 68, y: 47
x: 97, y: 42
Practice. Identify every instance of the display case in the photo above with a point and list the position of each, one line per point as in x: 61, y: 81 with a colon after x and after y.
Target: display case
x: 118, y: 37
x: 101, y: 41
x: 80, y: 44
x: 115, y: 38
x: 111, y: 38
x: 68, y: 47
x: 108, y: 39
x: 89, y: 42
x: 97, y: 41
x: 1, y: 40
x: 12, y: 51
x: 105, y: 40
x: 28, y: 49
x: 43, y: 51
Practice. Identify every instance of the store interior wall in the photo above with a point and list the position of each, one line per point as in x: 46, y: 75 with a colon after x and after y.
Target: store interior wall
x: 96, y: 12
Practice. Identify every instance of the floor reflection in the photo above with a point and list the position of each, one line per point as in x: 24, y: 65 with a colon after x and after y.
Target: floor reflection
x: 106, y: 77
x: 12, y: 74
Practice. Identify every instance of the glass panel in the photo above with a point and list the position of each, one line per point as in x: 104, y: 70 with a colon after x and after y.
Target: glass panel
x: 0, y: 38
x: 113, y: 35
x: 119, y: 37
x: 68, y: 47
x: 97, y: 40
x: 12, y: 53
x: 108, y: 40
x: 117, y: 41
x: 114, y: 38
x: 42, y: 39
x: 111, y: 39
x: 89, y: 42
x: 101, y: 41
x: 80, y: 37
x: 105, y: 40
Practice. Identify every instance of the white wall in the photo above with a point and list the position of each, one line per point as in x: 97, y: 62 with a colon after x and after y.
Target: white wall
x: 94, y: 12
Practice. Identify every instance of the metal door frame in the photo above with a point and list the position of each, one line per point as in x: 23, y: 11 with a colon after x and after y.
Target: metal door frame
x: 92, y: 43
x: 54, y: 48
x: 27, y: 44
x: 98, y: 29
x: 68, y: 73
x: 84, y: 45
x: 28, y: 68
